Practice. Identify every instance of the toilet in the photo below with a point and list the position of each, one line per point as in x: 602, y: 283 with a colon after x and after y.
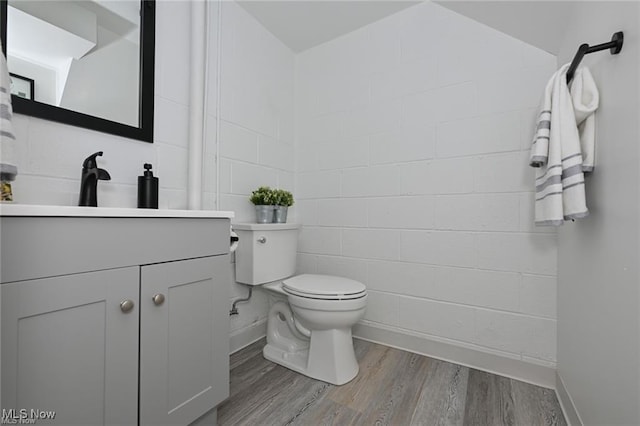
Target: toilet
x: 310, y: 316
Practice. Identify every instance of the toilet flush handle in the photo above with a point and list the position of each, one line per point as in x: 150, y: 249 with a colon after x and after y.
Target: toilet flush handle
x: 262, y: 240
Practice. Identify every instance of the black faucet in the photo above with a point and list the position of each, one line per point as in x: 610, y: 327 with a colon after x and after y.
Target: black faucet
x: 91, y: 174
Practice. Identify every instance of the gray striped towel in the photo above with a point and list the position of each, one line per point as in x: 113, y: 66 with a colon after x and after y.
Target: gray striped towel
x: 7, y: 137
x: 561, y: 151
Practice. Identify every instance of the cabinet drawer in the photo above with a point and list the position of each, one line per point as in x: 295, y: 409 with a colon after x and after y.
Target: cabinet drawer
x: 38, y: 247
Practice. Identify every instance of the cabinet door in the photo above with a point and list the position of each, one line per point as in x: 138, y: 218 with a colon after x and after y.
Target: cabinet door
x: 184, y: 340
x: 68, y: 347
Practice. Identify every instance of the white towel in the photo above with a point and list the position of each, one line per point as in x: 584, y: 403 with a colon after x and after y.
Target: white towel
x: 7, y: 137
x: 586, y: 98
x: 557, y: 150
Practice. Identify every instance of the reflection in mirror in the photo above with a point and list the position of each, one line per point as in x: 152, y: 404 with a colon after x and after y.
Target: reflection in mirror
x: 83, y: 56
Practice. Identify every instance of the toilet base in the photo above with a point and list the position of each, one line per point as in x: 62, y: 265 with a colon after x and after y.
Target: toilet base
x: 330, y: 357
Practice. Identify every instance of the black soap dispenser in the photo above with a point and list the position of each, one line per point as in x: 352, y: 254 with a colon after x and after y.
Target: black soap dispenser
x: 147, y: 189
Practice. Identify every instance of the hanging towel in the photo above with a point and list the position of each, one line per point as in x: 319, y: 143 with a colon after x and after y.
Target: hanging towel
x: 585, y: 98
x: 7, y: 137
x: 557, y: 150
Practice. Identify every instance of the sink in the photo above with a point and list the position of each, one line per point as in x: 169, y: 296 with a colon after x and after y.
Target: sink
x: 33, y: 210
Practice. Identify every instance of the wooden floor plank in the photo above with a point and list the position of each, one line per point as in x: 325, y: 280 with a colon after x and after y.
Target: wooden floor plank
x: 328, y: 412
x: 239, y: 357
x: 489, y: 400
x: 536, y: 405
x: 443, y: 397
x: 394, y: 404
x: 393, y: 387
x: 357, y: 393
x: 249, y: 372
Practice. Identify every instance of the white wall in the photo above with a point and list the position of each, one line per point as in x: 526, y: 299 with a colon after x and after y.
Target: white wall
x: 412, y: 146
x: 598, y: 275
x: 256, y: 134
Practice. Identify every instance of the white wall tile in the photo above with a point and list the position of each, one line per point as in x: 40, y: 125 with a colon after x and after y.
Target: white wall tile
x: 371, y: 181
x: 275, y: 154
x: 411, y: 279
x: 342, y: 212
x: 480, y: 212
x: 356, y: 269
x: 504, y: 173
x: 172, y: 166
x: 447, y: 176
x: 442, y: 104
x: 407, y: 144
x: 343, y: 154
x: 306, y: 212
x: 538, y: 295
x: 171, y: 122
x: 503, y: 90
x: 534, y: 337
x: 319, y: 241
x: 382, y: 308
x: 491, y: 289
x: 531, y: 253
x: 247, y: 177
x: 323, y: 184
x: 438, y: 248
x: 370, y: 244
x: 480, y: 135
x: 383, y: 116
x: 437, y: 318
x: 401, y: 212
x: 306, y: 264
x: 238, y: 143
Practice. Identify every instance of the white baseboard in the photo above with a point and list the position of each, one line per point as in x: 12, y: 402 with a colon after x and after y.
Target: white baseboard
x: 243, y: 337
x: 568, y: 407
x: 540, y: 375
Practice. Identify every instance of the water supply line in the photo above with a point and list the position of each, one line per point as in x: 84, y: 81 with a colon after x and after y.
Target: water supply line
x: 234, y: 308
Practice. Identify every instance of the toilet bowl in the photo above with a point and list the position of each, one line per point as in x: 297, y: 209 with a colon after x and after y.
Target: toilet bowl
x: 310, y: 316
x: 311, y: 334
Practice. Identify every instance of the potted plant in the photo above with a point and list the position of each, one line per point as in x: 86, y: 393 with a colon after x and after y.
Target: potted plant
x: 263, y: 199
x: 283, y: 199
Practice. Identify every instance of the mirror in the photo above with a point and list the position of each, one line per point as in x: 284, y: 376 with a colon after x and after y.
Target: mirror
x: 88, y: 63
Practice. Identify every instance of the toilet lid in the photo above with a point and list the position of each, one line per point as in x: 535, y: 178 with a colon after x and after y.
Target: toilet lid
x: 323, y: 287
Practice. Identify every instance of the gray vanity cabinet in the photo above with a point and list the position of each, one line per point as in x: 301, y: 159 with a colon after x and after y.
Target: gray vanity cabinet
x: 183, y: 360
x: 131, y: 331
x: 68, y: 347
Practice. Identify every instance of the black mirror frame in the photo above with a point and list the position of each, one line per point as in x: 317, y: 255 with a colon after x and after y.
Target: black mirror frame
x: 146, y: 96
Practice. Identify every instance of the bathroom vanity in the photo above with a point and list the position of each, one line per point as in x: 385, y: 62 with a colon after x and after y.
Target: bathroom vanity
x: 114, y: 316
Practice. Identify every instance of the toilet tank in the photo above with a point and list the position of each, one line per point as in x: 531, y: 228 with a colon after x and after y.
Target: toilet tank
x: 266, y: 252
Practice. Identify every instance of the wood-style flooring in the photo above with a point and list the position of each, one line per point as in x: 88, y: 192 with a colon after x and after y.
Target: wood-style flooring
x: 393, y: 387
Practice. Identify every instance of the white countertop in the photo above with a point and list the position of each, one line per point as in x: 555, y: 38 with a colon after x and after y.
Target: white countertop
x: 9, y: 209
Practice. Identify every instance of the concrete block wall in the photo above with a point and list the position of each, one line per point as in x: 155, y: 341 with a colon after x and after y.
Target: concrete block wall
x: 412, y: 143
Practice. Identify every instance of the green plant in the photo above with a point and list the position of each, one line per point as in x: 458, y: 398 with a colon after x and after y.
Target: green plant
x: 263, y: 196
x: 283, y: 197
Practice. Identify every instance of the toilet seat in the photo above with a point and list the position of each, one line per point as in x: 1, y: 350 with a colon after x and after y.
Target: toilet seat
x: 324, y: 287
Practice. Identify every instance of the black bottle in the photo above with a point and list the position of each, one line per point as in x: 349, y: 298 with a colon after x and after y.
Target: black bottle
x: 147, y: 189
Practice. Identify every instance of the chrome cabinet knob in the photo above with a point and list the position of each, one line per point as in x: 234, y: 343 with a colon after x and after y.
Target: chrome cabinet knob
x: 158, y: 299
x: 262, y: 240
x: 126, y: 305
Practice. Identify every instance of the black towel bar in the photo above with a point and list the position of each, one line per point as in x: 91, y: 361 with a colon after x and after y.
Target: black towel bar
x: 615, y: 46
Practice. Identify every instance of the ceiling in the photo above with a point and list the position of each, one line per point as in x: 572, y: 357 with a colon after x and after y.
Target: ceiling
x: 303, y: 24
x: 539, y: 23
